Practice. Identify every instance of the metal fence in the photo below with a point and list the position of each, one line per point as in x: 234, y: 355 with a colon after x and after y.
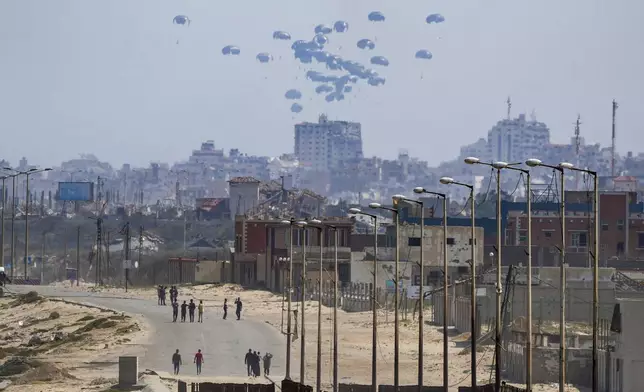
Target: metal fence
x: 216, y: 387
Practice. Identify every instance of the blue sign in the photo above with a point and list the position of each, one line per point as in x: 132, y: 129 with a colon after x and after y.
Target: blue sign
x: 76, y: 191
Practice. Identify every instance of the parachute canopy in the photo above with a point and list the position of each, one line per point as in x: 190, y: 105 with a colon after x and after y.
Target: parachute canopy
x: 376, y: 16
x: 181, y: 20
x: 424, y: 54
x: 230, y: 50
x: 435, y: 18
x: 323, y: 29
x: 296, y: 108
x: 340, y: 26
x: 281, y: 35
x: 366, y: 44
x: 293, y: 94
x: 264, y: 57
x: 380, y: 60
x: 321, y: 39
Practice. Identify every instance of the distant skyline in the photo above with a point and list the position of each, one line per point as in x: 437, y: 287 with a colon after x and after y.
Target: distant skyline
x: 108, y: 77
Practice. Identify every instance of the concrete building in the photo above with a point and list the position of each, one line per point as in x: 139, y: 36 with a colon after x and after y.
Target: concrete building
x: 515, y: 140
x: 325, y: 145
x: 244, y: 195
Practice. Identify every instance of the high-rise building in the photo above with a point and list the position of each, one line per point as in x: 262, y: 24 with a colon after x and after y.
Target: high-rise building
x: 326, y: 145
x: 515, y: 140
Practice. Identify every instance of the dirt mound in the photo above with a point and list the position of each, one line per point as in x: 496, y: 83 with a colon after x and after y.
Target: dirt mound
x: 25, y: 299
x: 46, y: 372
x: 16, y: 366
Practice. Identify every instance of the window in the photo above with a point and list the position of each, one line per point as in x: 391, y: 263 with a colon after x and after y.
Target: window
x: 620, y: 225
x: 640, y: 239
x: 413, y: 241
x: 604, y: 226
x: 470, y: 242
x: 580, y: 239
x: 547, y: 233
x: 450, y: 241
x: 523, y: 235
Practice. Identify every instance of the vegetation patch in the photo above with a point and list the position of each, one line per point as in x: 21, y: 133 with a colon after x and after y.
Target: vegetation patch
x: 31, y: 297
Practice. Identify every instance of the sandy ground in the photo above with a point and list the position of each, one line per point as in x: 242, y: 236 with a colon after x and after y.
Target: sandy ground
x: 62, y: 343
x: 355, y: 339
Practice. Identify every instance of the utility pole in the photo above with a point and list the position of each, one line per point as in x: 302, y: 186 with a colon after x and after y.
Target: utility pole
x: 374, y: 310
x: 499, y: 289
x: 107, y: 253
x: 126, y: 231
x: 562, y: 289
x: 509, y: 103
x: 421, y: 297
x: 99, y: 246
x: 42, y: 258
x: 13, y: 224
x: 289, y: 304
x: 78, y: 256
x: 26, y: 224
x: 612, y: 148
x: 318, y: 370
x: 335, y: 310
x: 140, y: 243
x: 577, y: 148
x: 303, y: 301
x: 4, y: 206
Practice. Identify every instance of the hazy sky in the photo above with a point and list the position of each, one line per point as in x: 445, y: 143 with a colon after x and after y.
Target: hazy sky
x: 108, y: 77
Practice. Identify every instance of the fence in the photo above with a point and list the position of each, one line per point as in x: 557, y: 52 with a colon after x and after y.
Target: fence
x: 490, y: 388
x: 214, y: 387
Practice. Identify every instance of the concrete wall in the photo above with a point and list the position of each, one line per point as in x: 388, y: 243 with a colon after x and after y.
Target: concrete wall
x: 210, y: 271
x: 629, y: 350
x: 244, y: 196
x: 362, y: 272
x: 458, y: 248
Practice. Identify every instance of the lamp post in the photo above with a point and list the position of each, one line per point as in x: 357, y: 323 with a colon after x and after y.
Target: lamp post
x: 27, y: 202
x: 303, y: 224
x: 562, y: 271
x: 335, y: 307
x: 395, y: 211
x: 374, y: 307
x: 451, y: 181
x: 317, y: 224
x: 421, y: 190
x: 291, y: 223
x: 595, y: 268
x: 499, y: 286
x: 420, y: 290
x: 528, y: 373
x: 4, y: 206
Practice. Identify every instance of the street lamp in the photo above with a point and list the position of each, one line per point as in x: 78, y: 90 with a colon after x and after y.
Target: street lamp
x: 318, y: 225
x: 503, y: 165
x: 421, y: 190
x: 533, y: 162
x: 291, y: 223
x: 335, y: 307
x: 451, y: 181
x: 302, y: 224
x: 4, y: 206
x: 595, y: 268
x: 27, y: 202
x: 420, y: 289
x: 499, y: 288
x: 396, y: 213
x: 374, y: 337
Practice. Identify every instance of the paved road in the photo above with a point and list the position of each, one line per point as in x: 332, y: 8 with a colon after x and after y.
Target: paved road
x: 223, y: 342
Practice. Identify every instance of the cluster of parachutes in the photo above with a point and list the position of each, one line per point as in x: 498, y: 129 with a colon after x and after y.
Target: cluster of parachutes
x: 348, y: 72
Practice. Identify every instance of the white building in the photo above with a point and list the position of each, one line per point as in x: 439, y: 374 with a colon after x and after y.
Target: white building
x: 326, y: 144
x: 515, y: 140
x: 244, y: 195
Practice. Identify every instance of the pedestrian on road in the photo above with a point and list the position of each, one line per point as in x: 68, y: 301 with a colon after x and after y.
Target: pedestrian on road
x: 267, y: 363
x: 175, y: 311
x: 176, y: 361
x: 163, y: 293
x: 198, y: 361
x: 248, y: 360
x: 200, y: 309
x: 184, y: 307
x: 159, y: 295
x: 225, y: 308
x: 191, y: 311
x: 258, y: 362
x: 255, y: 365
x: 238, y: 302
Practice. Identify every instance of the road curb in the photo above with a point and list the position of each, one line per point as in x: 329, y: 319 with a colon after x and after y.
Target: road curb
x: 84, y: 304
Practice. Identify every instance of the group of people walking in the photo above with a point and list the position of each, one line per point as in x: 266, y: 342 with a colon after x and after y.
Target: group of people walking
x: 187, y: 308
x: 253, y: 359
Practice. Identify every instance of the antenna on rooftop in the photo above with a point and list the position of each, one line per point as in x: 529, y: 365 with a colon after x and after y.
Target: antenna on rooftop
x: 577, y: 146
x: 612, y: 148
x: 509, y: 102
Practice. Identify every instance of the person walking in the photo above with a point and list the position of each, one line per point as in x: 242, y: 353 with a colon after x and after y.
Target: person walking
x: 175, y: 311
x: 267, y: 363
x: 184, y: 307
x: 257, y: 364
x: 176, y: 362
x: 225, y: 308
x: 163, y: 294
x: 200, y: 309
x: 248, y: 361
x: 238, y: 302
x: 199, y: 361
x: 191, y: 311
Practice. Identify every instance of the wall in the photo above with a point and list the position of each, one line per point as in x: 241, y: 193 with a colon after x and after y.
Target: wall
x: 629, y: 349
x: 458, y: 240
x: 244, y: 196
x: 362, y: 272
x: 210, y: 271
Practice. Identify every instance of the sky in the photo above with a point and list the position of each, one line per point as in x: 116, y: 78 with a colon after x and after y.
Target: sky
x: 118, y: 79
